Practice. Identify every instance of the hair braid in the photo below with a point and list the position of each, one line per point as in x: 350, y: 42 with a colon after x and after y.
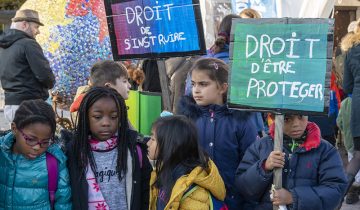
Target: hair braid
x: 35, y: 111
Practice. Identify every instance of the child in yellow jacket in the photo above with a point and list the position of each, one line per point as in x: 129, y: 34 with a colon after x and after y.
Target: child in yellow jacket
x: 184, y: 177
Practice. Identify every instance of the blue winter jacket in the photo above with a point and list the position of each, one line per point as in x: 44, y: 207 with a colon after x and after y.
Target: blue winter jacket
x: 225, y: 135
x: 313, y: 173
x: 24, y: 182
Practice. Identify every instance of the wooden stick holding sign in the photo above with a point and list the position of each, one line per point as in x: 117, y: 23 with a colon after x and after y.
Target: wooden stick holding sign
x: 278, y: 146
x: 164, y: 83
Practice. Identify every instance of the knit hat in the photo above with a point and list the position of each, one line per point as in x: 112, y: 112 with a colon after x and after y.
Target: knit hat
x: 27, y: 15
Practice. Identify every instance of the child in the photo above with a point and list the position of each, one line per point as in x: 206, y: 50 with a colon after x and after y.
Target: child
x: 313, y: 176
x: 184, y: 176
x: 24, y: 157
x: 105, y: 73
x: 223, y: 133
x: 106, y: 165
x: 249, y: 13
x: 343, y: 121
x: 136, y: 76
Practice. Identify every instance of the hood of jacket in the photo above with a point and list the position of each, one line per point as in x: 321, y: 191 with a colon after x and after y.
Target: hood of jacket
x: 208, y: 179
x: 313, y: 138
x: 349, y: 41
x: 11, y: 36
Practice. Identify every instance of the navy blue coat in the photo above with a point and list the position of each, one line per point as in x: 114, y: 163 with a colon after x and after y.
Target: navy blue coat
x: 225, y: 135
x: 313, y: 174
x: 351, y: 84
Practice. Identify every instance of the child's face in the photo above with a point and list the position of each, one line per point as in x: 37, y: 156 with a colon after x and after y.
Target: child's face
x: 103, y: 119
x: 122, y: 86
x: 206, y: 91
x: 295, y: 125
x: 152, y: 147
x: 38, y: 135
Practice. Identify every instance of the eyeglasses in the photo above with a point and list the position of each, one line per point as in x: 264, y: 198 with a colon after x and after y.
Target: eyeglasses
x: 45, y: 143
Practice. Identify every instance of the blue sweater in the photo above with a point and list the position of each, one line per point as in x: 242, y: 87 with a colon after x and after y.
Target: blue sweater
x: 24, y: 183
x: 313, y: 173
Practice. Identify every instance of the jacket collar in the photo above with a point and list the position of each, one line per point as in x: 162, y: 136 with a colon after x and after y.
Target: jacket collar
x: 312, y: 140
x: 209, y: 179
x: 8, y: 141
x: 11, y: 36
x: 350, y: 40
x: 214, y: 110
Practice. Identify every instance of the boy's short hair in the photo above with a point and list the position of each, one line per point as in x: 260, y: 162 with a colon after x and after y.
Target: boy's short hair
x: 107, y: 71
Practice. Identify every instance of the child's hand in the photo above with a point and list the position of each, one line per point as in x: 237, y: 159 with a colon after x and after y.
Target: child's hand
x: 282, y: 197
x: 276, y: 159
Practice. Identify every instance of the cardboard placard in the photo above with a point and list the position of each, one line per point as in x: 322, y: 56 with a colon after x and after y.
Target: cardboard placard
x: 154, y: 29
x: 281, y: 64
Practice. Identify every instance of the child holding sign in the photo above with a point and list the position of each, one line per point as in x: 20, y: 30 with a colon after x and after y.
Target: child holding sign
x: 313, y: 177
x: 224, y: 134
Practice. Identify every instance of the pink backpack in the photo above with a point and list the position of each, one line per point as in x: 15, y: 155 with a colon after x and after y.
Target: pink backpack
x: 53, y: 173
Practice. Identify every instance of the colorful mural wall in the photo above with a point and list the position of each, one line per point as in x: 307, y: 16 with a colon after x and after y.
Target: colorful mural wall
x: 74, y: 37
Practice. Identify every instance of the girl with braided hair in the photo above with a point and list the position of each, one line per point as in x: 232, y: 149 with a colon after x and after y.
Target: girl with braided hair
x: 24, y: 154
x: 106, y: 164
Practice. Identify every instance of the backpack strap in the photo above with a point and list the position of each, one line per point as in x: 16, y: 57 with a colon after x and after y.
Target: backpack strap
x: 139, y: 152
x: 214, y: 203
x: 52, y: 167
x: 189, y: 191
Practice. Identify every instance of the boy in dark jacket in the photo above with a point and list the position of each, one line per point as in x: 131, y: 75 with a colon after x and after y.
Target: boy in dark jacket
x: 313, y: 175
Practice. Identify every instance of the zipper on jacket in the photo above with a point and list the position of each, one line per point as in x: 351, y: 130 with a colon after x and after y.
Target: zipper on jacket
x: 13, y: 181
x: 212, y: 115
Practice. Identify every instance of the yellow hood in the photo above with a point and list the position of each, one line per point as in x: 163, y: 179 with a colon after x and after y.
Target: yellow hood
x: 207, y: 179
x: 210, y: 180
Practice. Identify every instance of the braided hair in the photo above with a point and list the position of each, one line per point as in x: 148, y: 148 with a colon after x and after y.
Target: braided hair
x: 223, y: 36
x: 82, y: 150
x: 35, y: 111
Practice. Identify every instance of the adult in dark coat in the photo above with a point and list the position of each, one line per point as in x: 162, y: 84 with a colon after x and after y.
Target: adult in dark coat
x: 351, y: 84
x: 25, y: 73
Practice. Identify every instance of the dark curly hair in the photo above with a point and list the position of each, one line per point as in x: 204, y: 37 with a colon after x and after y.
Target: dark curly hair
x: 35, y: 111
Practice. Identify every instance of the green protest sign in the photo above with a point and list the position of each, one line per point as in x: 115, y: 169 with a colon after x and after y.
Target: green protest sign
x: 281, y: 64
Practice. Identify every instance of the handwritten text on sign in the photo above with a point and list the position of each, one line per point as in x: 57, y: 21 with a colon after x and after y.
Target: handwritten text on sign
x: 279, y: 66
x: 149, y: 26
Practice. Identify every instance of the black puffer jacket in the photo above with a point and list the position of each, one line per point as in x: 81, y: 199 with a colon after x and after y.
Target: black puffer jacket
x: 24, y: 71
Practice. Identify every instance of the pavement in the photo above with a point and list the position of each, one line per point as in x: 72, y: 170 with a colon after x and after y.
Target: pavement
x: 345, y: 206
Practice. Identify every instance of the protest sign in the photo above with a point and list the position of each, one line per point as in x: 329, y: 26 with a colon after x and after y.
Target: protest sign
x: 154, y: 29
x: 281, y: 64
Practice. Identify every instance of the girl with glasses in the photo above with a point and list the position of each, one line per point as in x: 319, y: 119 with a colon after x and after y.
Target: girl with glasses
x: 24, y: 174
